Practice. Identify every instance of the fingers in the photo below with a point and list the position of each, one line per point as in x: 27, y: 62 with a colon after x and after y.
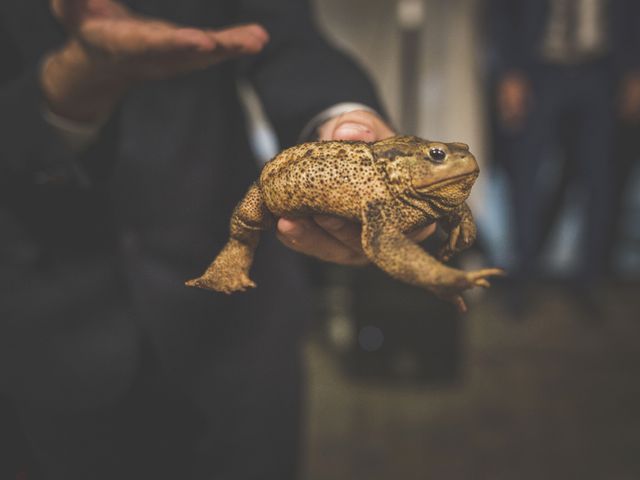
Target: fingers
x: 166, y: 37
x: 136, y: 36
x: 245, y: 39
x: 305, y: 236
x: 189, y: 38
x: 341, y: 233
x: 145, y: 36
x: 348, y: 233
x: 152, y: 49
x: 219, y: 46
x: 422, y: 234
x: 332, y: 239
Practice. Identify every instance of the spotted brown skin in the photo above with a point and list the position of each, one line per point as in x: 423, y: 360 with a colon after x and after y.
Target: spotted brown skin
x: 390, y: 187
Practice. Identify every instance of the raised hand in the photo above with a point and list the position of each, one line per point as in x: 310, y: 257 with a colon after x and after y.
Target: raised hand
x: 630, y: 97
x: 513, y: 99
x: 112, y: 48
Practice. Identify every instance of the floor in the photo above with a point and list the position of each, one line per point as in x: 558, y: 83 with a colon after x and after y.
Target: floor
x: 554, y: 395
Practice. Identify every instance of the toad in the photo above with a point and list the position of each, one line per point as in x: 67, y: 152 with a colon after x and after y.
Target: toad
x: 390, y: 187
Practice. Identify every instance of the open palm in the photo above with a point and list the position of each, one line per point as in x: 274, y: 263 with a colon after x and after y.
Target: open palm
x: 147, y: 48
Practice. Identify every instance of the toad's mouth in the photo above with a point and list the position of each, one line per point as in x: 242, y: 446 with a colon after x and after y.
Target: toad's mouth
x: 464, y: 180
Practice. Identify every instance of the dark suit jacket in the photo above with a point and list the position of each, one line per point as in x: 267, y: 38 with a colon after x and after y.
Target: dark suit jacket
x: 78, y: 261
x: 517, y: 28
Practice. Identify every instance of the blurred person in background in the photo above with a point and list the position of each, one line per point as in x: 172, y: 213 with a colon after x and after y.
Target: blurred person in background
x: 565, y: 69
x: 626, y: 158
x: 123, y: 150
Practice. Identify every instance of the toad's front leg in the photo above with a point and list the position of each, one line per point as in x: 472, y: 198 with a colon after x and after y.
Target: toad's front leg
x: 462, y: 232
x: 387, y: 247
x: 229, y: 272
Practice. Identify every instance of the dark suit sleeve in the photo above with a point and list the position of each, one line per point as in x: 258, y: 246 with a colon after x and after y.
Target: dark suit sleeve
x: 27, y: 143
x: 299, y: 74
x: 628, y: 31
x: 504, y: 18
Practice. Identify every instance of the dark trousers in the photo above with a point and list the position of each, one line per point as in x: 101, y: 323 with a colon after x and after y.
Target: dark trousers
x: 574, y: 105
x: 155, y: 380
x: 240, y: 424
x: 627, y: 156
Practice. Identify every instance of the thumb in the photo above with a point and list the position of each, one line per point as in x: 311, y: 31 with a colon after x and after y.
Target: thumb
x: 68, y: 12
x: 350, y: 130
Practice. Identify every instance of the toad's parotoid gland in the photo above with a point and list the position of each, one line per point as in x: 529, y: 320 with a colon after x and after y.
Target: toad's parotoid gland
x: 390, y: 187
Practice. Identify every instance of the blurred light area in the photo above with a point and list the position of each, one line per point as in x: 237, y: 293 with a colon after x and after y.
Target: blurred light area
x: 410, y: 13
x: 264, y: 142
x: 496, y: 227
x: 559, y: 256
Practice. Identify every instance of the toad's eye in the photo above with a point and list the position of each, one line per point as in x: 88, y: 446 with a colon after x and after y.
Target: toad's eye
x: 437, y: 155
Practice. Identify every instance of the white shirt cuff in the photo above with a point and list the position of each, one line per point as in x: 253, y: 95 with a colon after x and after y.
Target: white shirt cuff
x: 309, y: 132
x: 77, y: 136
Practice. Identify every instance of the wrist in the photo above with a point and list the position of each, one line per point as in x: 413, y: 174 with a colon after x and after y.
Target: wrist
x: 77, y: 87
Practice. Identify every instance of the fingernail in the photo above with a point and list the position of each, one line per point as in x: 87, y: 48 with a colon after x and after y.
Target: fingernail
x: 330, y: 223
x: 349, y: 129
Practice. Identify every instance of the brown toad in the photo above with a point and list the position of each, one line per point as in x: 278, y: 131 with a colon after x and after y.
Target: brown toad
x: 390, y: 187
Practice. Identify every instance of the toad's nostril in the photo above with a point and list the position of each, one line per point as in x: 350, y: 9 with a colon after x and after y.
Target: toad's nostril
x: 461, y: 146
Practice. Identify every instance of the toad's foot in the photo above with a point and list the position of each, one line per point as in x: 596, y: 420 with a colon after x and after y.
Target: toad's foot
x: 386, y: 246
x: 229, y: 272
x: 224, y: 283
x: 460, y: 238
x: 454, y: 282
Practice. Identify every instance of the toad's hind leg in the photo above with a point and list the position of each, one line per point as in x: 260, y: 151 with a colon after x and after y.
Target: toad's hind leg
x: 387, y: 247
x: 229, y: 272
